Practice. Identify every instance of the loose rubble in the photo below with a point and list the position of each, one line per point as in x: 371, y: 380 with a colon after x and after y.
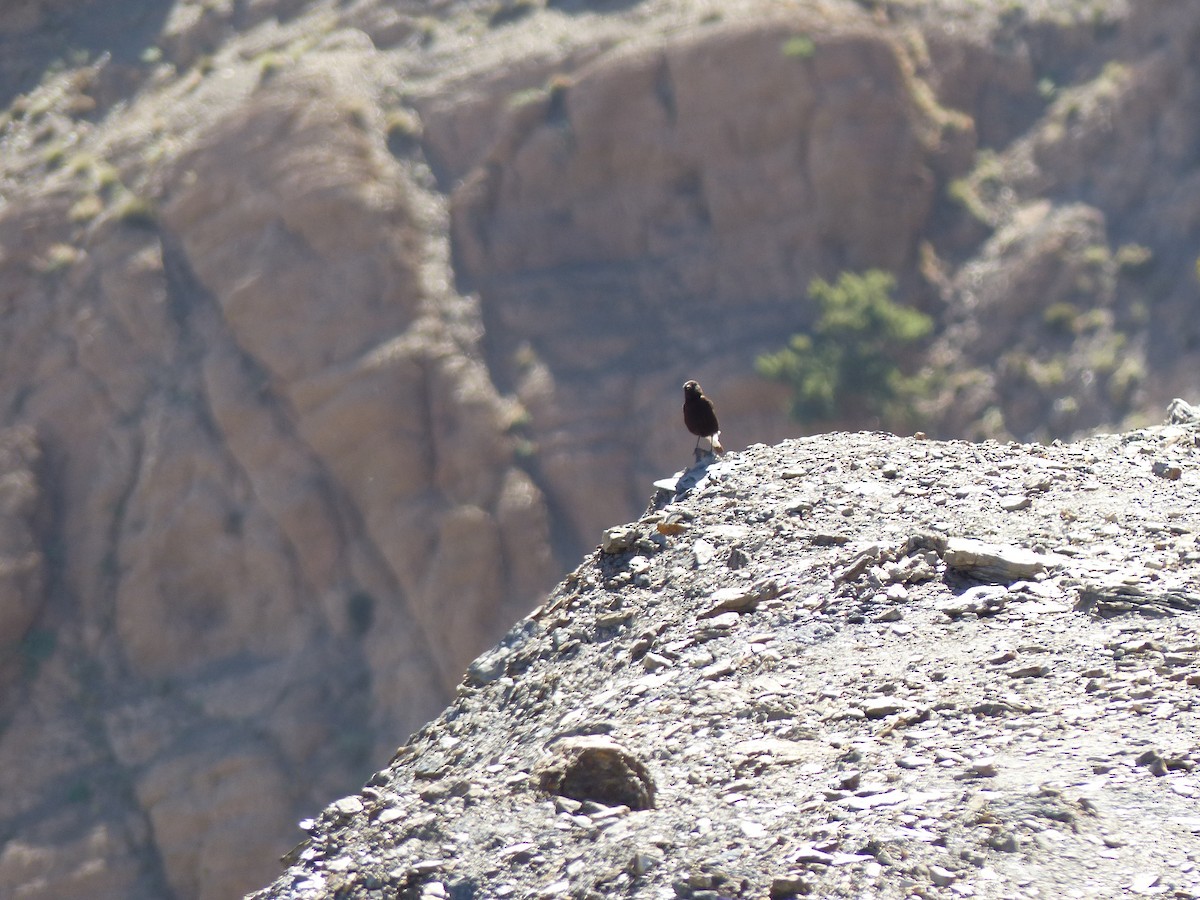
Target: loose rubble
x: 845, y: 666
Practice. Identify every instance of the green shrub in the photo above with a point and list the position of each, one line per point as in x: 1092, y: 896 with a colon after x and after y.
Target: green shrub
x: 800, y: 46
x: 850, y: 361
x: 1062, y: 317
x: 1134, y: 258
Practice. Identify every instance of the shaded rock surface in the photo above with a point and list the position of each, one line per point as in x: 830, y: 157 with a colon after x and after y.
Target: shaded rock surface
x: 870, y: 728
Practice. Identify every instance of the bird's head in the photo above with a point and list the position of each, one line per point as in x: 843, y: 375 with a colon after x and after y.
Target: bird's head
x: 691, y: 387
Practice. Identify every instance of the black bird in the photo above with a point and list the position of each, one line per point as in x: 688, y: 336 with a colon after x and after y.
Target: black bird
x: 700, y: 417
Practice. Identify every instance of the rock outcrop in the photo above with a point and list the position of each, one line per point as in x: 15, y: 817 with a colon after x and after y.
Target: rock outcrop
x: 843, y: 666
x: 331, y: 333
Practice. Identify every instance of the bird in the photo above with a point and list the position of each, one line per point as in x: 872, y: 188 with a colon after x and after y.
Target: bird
x: 700, y: 417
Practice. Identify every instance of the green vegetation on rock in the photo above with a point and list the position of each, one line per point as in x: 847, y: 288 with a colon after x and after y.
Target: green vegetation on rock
x: 850, y: 360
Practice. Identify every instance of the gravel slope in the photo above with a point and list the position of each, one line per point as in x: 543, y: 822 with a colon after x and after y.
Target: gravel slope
x: 818, y: 682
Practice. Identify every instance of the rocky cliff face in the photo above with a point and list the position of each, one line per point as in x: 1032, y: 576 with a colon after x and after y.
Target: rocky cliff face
x: 844, y: 666
x: 333, y: 332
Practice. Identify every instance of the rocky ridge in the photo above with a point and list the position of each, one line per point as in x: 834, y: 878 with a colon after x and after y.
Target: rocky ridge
x: 845, y: 666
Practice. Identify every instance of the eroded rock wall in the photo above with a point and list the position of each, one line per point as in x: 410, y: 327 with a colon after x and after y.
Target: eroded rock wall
x: 260, y: 506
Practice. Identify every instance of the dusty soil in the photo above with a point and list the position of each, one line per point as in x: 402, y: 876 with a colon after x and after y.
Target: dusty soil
x: 816, y: 681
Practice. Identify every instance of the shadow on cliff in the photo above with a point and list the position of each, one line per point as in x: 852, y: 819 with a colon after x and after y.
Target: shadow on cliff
x: 124, y: 29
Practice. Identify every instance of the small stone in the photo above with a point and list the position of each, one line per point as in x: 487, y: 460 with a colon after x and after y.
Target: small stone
x: 1029, y: 670
x: 719, y: 669
x: 722, y: 622
x: 1144, y: 883
x: 811, y: 856
x: 1153, y: 761
x: 801, y: 507
x: 639, y: 648
x: 603, y: 813
x: 618, y: 538
x: 873, y: 801
x: 882, y: 707
x: 849, y: 781
x: 737, y: 558
x: 614, y: 619
x: 941, y: 877
x: 1014, y: 502
x: 1037, y: 483
x: 522, y: 851
x: 983, y: 600
x: 348, y: 806
x: 567, y: 805
x: 700, y: 881
x: 751, y: 829
x: 489, y: 667
x: 984, y: 767
x: 1166, y: 470
x: 790, y: 885
x: 735, y: 599
x: 703, y: 551
x: 643, y: 861
x: 652, y: 662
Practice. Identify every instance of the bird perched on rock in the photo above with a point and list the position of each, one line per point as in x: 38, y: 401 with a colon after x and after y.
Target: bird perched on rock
x: 700, y: 417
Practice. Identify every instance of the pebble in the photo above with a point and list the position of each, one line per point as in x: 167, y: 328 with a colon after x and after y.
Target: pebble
x: 942, y: 877
x: 790, y: 885
x: 1014, y: 502
x: 883, y: 707
x: 984, y: 767
x: 718, y: 669
x: 982, y: 600
x: 1145, y: 883
x: 1166, y: 470
x: 1029, y: 670
x: 653, y: 661
x: 811, y: 856
x: 732, y: 599
x: 618, y: 539
x: 348, y: 806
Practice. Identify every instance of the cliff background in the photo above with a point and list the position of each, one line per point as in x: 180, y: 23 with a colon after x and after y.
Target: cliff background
x: 334, y: 332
